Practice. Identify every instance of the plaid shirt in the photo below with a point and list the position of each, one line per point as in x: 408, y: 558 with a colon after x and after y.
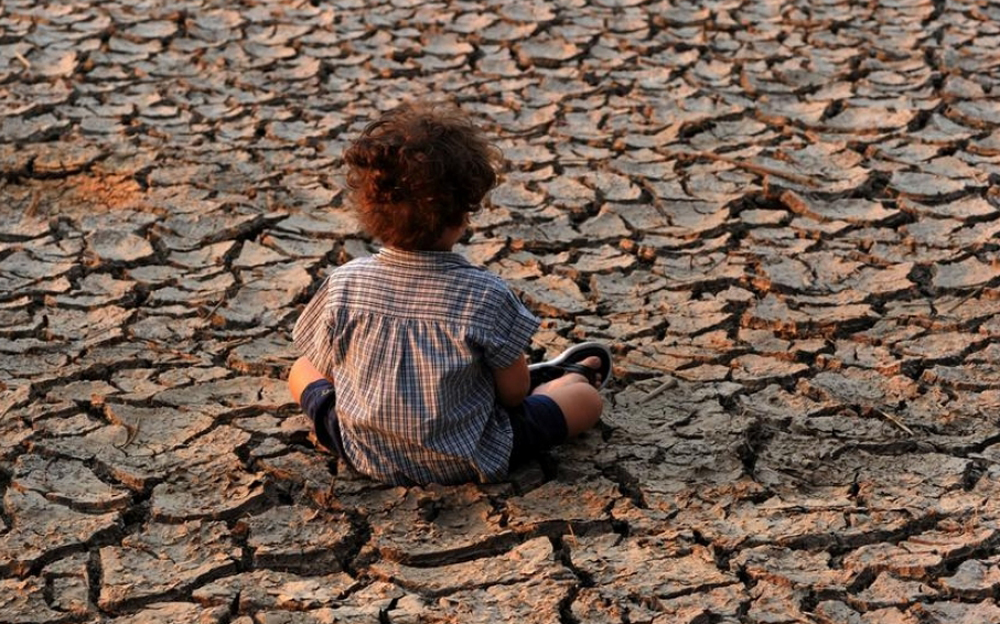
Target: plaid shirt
x: 410, y: 340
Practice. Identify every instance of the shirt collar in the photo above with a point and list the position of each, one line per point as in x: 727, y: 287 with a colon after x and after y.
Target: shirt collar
x: 421, y: 259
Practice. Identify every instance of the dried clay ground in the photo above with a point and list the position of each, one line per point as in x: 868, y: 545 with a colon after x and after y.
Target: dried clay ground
x: 782, y: 214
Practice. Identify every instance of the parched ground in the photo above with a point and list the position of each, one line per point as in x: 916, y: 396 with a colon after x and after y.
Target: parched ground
x: 782, y: 214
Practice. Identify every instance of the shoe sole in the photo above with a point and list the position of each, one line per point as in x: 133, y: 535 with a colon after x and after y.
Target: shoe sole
x: 574, y: 355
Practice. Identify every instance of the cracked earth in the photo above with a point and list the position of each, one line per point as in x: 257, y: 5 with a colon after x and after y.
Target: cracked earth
x: 782, y: 215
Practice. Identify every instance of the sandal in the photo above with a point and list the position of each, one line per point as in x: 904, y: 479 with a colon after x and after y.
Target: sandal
x: 569, y: 362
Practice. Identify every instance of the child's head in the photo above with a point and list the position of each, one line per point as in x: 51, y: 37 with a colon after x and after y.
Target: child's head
x: 417, y: 171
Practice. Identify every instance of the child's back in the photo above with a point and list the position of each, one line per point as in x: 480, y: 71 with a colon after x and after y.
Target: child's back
x: 409, y: 333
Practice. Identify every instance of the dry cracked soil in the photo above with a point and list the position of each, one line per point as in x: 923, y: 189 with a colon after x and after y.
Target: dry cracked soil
x: 782, y: 215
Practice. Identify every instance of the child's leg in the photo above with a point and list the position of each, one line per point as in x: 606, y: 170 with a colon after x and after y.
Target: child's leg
x: 553, y: 412
x: 580, y: 402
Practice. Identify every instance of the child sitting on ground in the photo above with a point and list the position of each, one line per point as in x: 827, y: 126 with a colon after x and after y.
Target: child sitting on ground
x: 413, y: 360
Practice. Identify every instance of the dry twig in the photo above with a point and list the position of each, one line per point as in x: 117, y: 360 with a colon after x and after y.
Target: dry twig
x: 660, y: 389
x: 753, y: 168
x: 894, y: 420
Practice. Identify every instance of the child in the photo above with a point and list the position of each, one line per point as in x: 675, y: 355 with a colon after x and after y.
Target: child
x: 413, y: 362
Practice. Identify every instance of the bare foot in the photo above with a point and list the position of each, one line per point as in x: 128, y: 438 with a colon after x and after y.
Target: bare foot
x: 593, y: 362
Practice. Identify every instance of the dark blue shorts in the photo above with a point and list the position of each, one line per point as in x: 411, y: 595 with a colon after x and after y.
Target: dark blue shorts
x: 318, y: 401
x: 538, y: 425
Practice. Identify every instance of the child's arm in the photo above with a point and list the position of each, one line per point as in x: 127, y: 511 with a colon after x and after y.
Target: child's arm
x: 301, y: 375
x: 512, y: 383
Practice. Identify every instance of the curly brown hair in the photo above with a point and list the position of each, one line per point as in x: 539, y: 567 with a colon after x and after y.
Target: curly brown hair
x: 418, y: 170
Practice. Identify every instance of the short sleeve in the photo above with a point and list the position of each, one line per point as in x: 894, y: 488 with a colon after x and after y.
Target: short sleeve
x: 312, y: 333
x: 511, y: 331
